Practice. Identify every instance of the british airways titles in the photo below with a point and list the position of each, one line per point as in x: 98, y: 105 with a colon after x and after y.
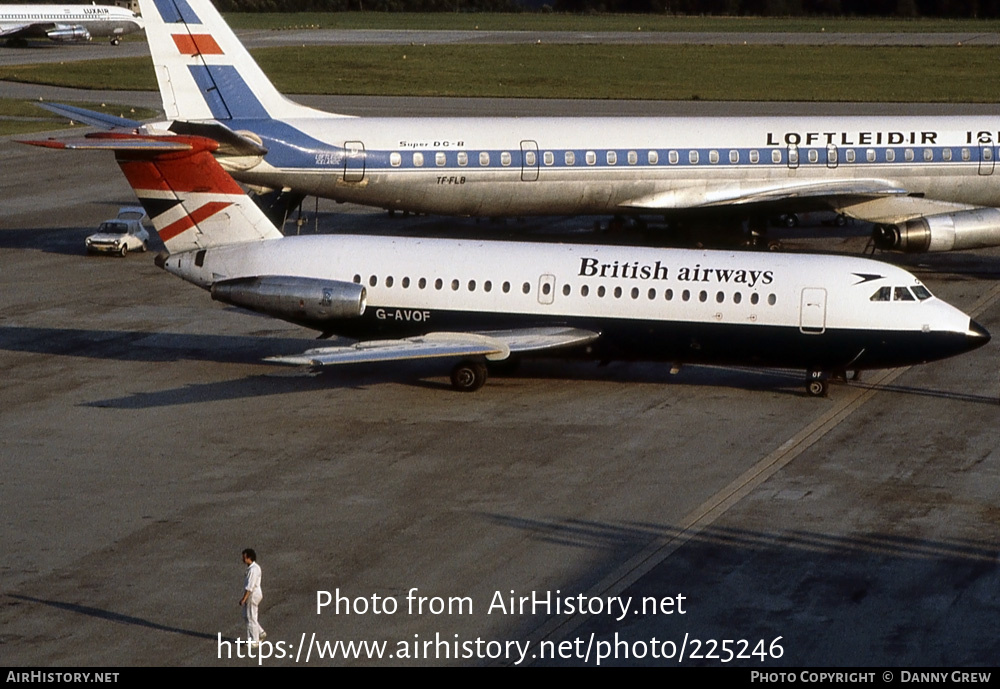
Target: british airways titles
x: 633, y: 270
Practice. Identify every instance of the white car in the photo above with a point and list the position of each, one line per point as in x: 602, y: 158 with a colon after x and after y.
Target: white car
x: 121, y: 235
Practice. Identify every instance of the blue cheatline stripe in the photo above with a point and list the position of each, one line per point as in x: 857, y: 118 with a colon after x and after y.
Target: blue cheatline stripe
x: 226, y: 93
x: 175, y: 11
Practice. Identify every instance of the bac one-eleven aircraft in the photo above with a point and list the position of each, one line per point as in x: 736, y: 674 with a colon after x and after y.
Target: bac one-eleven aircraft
x: 929, y: 183
x: 478, y: 301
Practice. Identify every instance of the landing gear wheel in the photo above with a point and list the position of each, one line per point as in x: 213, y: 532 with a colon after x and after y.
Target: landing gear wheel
x: 115, y: 41
x: 817, y: 388
x: 468, y: 375
x: 817, y: 384
x: 775, y: 245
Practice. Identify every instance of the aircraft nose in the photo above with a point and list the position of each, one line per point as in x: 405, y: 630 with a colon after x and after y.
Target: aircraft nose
x: 976, y: 335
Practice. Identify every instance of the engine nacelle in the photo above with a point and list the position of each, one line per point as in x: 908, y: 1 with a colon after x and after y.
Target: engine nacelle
x: 69, y: 34
x: 306, y: 301
x: 972, y: 229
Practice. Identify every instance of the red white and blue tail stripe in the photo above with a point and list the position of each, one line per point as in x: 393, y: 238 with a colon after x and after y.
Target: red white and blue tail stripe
x: 203, y: 70
x: 192, y: 202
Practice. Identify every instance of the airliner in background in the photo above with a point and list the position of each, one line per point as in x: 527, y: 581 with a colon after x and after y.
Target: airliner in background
x: 477, y: 302
x: 928, y: 183
x: 67, y: 23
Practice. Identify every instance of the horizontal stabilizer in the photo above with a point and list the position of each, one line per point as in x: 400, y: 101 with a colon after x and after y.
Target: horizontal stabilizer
x: 112, y: 144
x: 494, y: 345
x: 94, y: 119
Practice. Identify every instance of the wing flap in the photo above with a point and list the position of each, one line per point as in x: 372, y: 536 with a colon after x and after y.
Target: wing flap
x: 708, y: 195
x: 495, y: 345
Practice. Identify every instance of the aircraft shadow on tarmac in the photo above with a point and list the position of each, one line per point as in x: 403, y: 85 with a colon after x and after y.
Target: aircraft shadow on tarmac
x: 153, y: 347
x: 113, y: 616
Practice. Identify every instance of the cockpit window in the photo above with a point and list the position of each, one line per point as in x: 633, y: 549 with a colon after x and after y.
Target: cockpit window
x: 921, y: 292
x: 902, y: 294
x: 882, y: 294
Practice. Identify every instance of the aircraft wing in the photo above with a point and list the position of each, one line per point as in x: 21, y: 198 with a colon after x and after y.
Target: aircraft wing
x: 15, y: 30
x: 495, y: 345
x: 94, y: 119
x: 735, y: 194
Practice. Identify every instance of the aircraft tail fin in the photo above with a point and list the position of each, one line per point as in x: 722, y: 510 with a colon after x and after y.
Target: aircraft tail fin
x: 192, y: 202
x: 204, y: 72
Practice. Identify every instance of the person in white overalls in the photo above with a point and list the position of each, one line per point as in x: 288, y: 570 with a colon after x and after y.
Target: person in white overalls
x: 252, y: 595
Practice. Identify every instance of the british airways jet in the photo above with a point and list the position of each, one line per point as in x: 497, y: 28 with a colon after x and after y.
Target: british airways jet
x: 67, y: 23
x: 928, y: 183
x: 483, y: 302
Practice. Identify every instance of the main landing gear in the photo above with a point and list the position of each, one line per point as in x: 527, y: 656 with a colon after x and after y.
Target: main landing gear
x: 468, y: 375
x: 818, y: 382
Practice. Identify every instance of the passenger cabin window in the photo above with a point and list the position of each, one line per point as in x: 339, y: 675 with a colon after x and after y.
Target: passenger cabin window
x: 775, y: 156
x: 734, y: 157
x: 653, y: 157
x: 570, y: 158
x: 548, y: 158
x: 890, y: 155
x: 870, y: 155
x: 484, y: 159
x: 928, y: 154
x: 813, y: 155
x: 908, y: 154
x: 418, y: 160
x: 463, y: 159
x: 693, y: 157
x: 849, y: 155
x: 395, y: 159
x: 713, y: 157
x: 946, y: 154
x: 754, y: 157
x: 612, y: 158
x: 505, y: 159
x: 673, y: 157
x: 633, y: 157
x: 966, y: 155
x: 530, y: 158
x: 439, y: 159
x: 590, y: 157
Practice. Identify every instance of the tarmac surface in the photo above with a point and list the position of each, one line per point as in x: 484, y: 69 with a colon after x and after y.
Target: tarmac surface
x: 145, y: 443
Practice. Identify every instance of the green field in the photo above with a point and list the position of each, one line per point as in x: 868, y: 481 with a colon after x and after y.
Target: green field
x: 530, y: 21
x: 25, y: 117
x: 766, y: 73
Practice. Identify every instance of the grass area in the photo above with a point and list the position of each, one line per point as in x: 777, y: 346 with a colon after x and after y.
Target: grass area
x: 604, y: 22
x: 772, y: 73
x: 25, y: 117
